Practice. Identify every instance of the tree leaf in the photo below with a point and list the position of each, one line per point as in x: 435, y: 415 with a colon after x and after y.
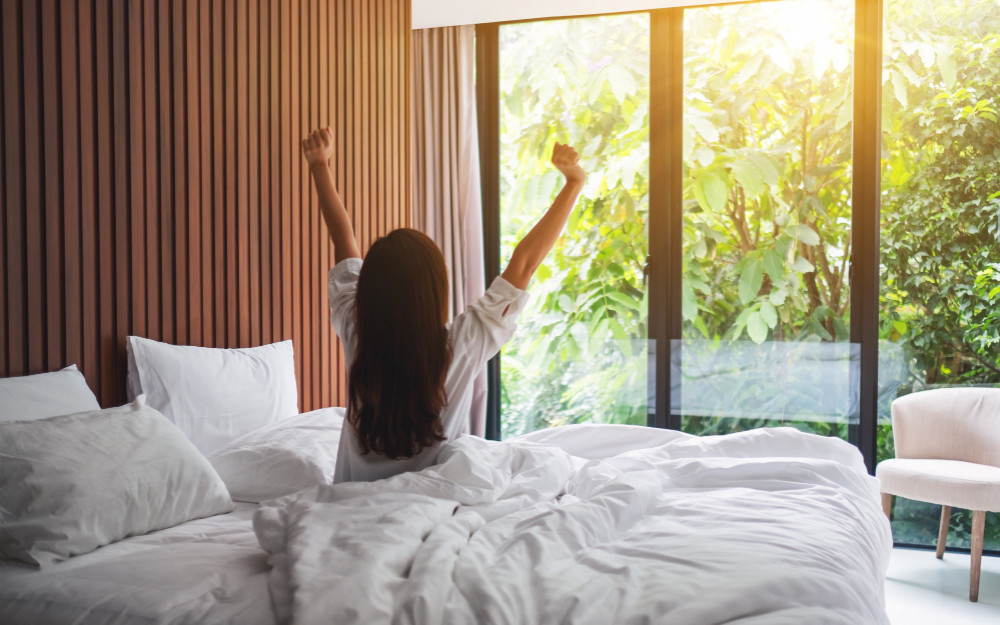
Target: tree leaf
x: 774, y: 265
x: 705, y: 156
x: 769, y: 314
x: 630, y: 303
x: 802, y: 265
x: 703, y: 127
x: 756, y: 328
x: 806, y: 234
x: 898, y: 87
x: 946, y: 64
x: 749, y: 177
x: 566, y: 303
x: 768, y: 172
x: 750, y: 280
x: 711, y: 191
x: 689, y: 304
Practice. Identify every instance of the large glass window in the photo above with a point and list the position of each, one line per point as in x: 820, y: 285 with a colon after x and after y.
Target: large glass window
x: 768, y: 106
x: 940, y: 231
x: 580, y: 353
x: 760, y: 331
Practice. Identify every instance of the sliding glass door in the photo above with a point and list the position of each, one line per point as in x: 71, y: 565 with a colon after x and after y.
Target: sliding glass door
x: 580, y: 353
x: 940, y: 295
x: 767, y: 149
x: 729, y: 266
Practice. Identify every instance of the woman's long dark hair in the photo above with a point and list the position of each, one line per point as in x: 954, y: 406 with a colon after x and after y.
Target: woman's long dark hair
x: 396, y: 383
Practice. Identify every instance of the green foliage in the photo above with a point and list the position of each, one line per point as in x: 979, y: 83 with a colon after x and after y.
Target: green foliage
x: 767, y: 198
x: 941, y: 189
x: 580, y: 354
x: 767, y: 154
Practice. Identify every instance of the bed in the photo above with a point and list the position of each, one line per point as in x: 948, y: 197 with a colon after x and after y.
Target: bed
x: 578, y: 524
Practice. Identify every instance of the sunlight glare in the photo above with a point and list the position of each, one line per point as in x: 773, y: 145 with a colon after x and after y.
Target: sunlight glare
x: 802, y: 22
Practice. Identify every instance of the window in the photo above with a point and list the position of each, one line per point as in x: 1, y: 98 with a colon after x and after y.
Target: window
x: 793, y: 250
x: 768, y: 106
x: 939, y: 321
x: 580, y: 353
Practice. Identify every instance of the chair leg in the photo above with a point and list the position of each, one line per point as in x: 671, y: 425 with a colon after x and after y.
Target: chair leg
x: 978, y: 525
x: 887, y: 505
x: 943, y: 530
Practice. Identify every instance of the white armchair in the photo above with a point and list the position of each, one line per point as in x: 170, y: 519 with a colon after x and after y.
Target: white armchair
x: 948, y: 453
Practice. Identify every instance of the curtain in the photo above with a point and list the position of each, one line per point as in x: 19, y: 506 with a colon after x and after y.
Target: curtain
x: 447, y: 204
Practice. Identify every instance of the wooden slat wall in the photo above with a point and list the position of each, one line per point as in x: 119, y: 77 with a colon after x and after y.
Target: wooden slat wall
x: 151, y: 181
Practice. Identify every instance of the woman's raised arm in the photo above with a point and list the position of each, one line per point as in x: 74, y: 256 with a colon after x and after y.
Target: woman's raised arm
x: 317, y: 149
x: 535, y: 245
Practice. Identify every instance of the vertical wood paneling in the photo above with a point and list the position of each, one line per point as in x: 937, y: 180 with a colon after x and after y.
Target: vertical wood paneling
x: 181, y: 181
x: 71, y: 187
x: 285, y: 196
x: 137, y: 164
x: 325, y: 372
x: 150, y: 107
x: 193, y: 83
x: 274, y: 161
x: 122, y: 204
x: 231, y: 239
x: 218, y: 159
x: 34, y: 187
x: 204, y: 116
x: 311, y: 258
x: 105, y: 200
x: 89, y: 199
x: 52, y: 185
x: 255, y: 170
x: 3, y: 204
x: 153, y: 183
x: 164, y: 129
x: 240, y: 198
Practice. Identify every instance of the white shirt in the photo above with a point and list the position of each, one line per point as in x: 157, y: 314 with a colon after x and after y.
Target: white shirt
x: 476, y: 335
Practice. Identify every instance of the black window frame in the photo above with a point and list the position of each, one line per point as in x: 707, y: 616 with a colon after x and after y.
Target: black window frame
x: 666, y: 205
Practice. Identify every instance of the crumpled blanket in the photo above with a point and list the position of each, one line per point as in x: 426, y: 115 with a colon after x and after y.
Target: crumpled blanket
x: 767, y: 527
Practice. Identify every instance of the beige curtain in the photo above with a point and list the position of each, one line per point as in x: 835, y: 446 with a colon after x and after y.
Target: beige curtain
x: 446, y: 203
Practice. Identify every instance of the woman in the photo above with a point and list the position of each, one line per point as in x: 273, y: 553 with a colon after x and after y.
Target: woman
x: 411, y: 375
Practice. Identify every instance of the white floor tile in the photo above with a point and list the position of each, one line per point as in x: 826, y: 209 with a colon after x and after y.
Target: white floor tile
x: 922, y: 590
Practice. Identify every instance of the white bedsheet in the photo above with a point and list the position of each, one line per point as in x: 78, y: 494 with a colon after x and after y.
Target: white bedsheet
x: 768, y: 527
x: 205, y: 572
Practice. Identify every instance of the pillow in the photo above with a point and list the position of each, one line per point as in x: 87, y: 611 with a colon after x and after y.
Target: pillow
x: 283, y: 458
x: 215, y: 395
x: 45, y: 395
x: 73, y: 483
x: 597, y: 441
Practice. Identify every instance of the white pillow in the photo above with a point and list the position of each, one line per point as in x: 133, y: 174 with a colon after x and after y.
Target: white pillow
x: 283, y: 458
x: 213, y: 394
x: 45, y: 395
x: 73, y: 483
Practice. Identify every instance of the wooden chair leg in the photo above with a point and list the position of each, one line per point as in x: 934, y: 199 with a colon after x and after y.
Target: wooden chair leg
x: 978, y: 525
x: 887, y: 505
x: 943, y: 530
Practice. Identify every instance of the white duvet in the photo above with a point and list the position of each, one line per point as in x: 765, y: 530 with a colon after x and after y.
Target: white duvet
x: 764, y: 527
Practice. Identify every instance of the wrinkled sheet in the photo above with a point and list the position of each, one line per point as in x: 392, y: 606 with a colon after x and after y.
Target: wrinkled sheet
x: 768, y: 527
x: 205, y: 572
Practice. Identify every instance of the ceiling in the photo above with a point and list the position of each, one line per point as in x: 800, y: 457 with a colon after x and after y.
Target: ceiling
x: 435, y: 13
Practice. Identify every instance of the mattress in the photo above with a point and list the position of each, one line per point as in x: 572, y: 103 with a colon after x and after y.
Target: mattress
x: 208, y: 571
x: 580, y: 524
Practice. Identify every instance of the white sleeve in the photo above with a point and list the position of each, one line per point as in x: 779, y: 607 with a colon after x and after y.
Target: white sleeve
x: 483, y: 328
x: 342, y: 288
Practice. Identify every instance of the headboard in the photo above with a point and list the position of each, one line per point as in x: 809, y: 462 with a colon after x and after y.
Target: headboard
x: 152, y: 182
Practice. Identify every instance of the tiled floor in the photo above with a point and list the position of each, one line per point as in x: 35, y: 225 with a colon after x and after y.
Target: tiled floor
x: 922, y: 590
